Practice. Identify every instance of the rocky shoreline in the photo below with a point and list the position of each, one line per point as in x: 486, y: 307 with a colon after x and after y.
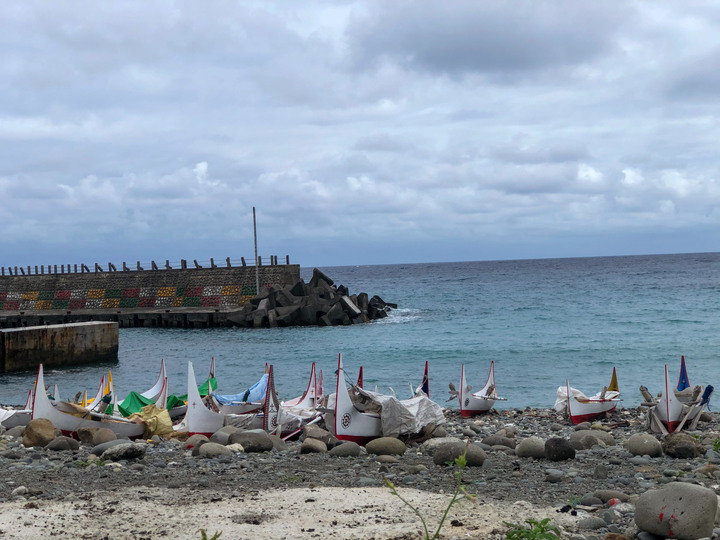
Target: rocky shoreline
x: 529, y: 463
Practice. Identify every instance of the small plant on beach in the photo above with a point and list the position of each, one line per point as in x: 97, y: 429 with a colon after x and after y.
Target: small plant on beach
x: 204, y: 536
x: 83, y: 464
x: 290, y: 478
x: 459, y: 494
x: 535, y: 530
x: 716, y: 445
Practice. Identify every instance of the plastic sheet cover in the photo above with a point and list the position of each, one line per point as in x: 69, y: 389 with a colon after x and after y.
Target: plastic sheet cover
x: 404, y: 417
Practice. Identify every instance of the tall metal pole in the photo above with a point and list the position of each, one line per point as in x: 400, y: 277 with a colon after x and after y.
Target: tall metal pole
x: 257, y: 270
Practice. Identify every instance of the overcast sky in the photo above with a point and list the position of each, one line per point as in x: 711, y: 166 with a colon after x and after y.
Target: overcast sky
x: 362, y: 132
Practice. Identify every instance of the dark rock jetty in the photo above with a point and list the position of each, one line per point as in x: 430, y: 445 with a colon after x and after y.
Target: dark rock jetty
x: 317, y: 303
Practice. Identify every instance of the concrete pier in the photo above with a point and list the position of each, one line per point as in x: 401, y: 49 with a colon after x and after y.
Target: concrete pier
x: 58, y: 345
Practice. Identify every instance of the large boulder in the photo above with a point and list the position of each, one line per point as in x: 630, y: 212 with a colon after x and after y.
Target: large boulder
x: 125, y: 451
x: 63, y: 443
x: 255, y: 440
x: 346, y: 449
x: 38, y: 432
x: 222, y: 435
x: 386, y: 446
x: 681, y: 445
x: 94, y: 436
x: 532, y: 447
x: 213, y: 450
x: 680, y: 510
x: 314, y: 432
x: 197, y: 439
x: 15, y: 432
x: 431, y: 445
x: 587, y: 438
x: 278, y: 443
x: 557, y: 449
x: 499, y: 440
x: 643, y: 444
x: 98, y: 449
x: 313, y: 446
x: 447, y: 453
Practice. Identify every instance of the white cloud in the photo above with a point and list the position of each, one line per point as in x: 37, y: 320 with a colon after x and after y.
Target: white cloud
x: 588, y: 174
x: 632, y: 177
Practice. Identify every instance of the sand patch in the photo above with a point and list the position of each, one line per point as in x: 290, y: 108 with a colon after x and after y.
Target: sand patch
x: 291, y: 513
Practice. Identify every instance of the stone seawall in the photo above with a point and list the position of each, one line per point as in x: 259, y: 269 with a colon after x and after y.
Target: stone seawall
x: 58, y: 345
x: 185, y: 298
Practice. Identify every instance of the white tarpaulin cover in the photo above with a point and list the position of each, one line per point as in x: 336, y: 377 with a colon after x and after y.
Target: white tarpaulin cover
x: 561, y: 401
x: 404, y: 417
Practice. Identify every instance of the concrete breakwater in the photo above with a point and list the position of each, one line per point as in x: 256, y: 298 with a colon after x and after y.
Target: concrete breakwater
x: 58, y: 345
x: 316, y: 303
x: 184, y: 297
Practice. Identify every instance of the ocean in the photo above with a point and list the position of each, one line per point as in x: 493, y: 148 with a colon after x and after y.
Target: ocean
x: 542, y: 321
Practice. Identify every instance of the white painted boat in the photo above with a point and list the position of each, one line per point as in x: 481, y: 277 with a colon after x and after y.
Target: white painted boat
x: 250, y: 401
x: 178, y: 410
x: 295, y: 413
x: 198, y: 418
x: 95, y: 402
x: 582, y: 409
x: 473, y: 403
x: 681, y: 404
x: 201, y: 419
x: 669, y: 408
x: 347, y: 422
x: 161, y: 399
x: 271, y: 404
x: 10, y: 418
x: 70, y: 417
x: 154, y: 391
x: 310, y: 397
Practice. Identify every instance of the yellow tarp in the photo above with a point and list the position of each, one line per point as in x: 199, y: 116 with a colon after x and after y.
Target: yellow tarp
x: 157, y: 421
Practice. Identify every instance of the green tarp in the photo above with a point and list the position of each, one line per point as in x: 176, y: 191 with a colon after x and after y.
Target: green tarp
x: 174, y: 400
x: 133, y: 404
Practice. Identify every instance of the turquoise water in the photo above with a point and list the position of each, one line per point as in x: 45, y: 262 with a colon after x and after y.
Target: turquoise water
x: 542, y: 321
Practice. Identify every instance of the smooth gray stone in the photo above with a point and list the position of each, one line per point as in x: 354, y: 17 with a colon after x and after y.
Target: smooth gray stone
x: 680, y: 510
x: 532, y: 447
x: 125, y: 451
x: 100, y: 448
x: 644, y: 444
x: 213, y: 450
x: 591, y: 523
x: 346, y: 449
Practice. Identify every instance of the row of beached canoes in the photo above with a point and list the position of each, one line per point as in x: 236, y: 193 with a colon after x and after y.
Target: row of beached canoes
x: 351, y: 413
x: 672, y: 409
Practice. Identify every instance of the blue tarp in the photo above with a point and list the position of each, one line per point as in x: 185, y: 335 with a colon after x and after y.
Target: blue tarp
x: 253, y: 394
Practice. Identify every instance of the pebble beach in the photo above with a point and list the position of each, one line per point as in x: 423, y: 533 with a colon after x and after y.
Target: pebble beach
x: 522, y: 464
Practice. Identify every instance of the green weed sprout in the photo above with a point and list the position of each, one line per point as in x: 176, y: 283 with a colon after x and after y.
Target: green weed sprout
x: 204, y: 536
x: 459, y: 494
x: 536, y: 530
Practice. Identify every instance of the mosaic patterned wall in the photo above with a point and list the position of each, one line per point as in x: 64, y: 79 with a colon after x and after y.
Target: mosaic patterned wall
x: 217, y: 288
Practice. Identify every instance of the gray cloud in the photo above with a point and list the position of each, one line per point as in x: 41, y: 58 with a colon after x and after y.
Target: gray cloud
x: 359, y: 131
x: 467, y: 36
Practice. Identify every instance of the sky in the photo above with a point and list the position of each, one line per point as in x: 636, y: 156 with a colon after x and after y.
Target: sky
x: 368, y: 132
